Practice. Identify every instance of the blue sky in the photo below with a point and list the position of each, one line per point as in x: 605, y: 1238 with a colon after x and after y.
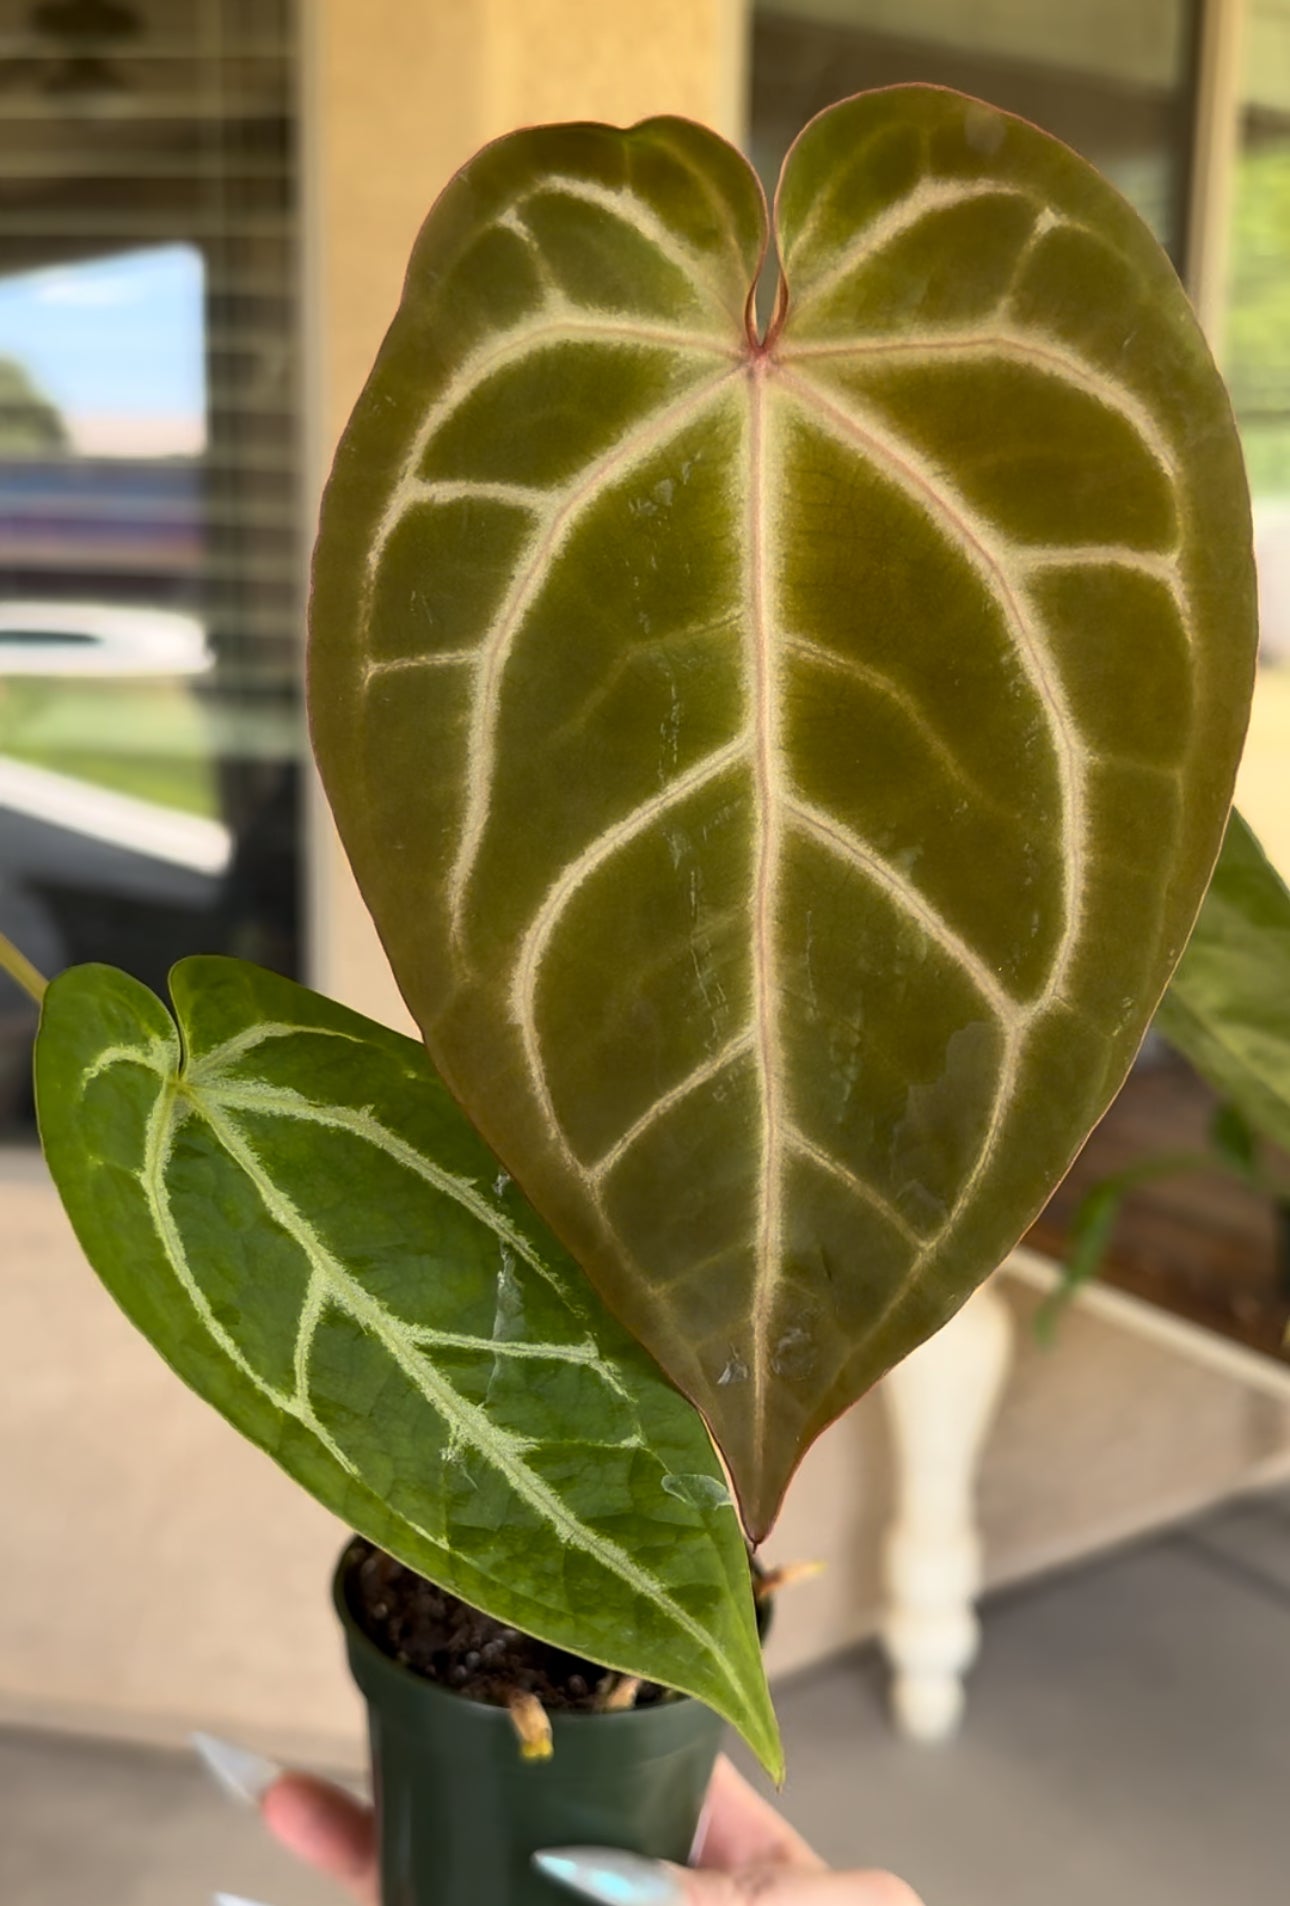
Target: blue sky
x: 117, y: 343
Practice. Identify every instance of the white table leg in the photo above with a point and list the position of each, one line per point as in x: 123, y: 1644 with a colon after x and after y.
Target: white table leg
x: 940, y: 1402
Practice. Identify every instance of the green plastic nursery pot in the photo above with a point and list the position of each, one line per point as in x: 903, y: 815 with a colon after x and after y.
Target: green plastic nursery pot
x: 460, y: 1813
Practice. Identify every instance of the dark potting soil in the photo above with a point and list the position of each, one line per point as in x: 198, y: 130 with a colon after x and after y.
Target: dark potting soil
x: 449, y: 1642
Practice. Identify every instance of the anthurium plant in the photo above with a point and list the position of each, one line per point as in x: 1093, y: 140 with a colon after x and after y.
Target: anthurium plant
x: 784, y: 766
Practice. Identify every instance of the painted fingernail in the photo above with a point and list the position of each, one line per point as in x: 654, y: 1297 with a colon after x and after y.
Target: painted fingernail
x: 233, y: 1899
x: 701, y: 1831
x: 244, y: 1776
x: 616, y: 1879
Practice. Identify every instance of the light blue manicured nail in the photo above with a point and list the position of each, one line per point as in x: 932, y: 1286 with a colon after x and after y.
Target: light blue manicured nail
x: 244, y: 1775
x: 615, y: 1879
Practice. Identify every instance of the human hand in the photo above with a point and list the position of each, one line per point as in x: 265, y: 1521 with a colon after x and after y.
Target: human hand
x: 745, y: 1851
x: 326, y: 1828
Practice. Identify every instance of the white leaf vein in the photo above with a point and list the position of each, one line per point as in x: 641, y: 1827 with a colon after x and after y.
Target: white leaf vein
x: 646, y: 223
x: 859, y: 1188
x: 533, y: 947
x: 763, y: 692
x: 1166, y: 570
x: 560, y: 324
x: 206, y: 1067
x: 505, y: 1451
x: 882, y: 684
x: 928, y: 196
x: 1033, y: 349
x: 710, y: 1068
x: 954, y: 517
x: 846, y: 845
x: 499, y: 639
x: 168, y: 1112
x: 277, y: 1101
x: 157, y: 1056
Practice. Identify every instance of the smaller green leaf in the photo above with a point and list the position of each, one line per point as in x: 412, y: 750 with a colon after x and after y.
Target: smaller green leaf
x: 287, y: 1202
x: 1228, y: 1006
x: 1234, y: 1140
x: 1096, y: 1216
x: 1087, y: 1244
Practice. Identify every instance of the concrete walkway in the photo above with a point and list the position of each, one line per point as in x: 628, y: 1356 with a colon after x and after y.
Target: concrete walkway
x: 1127, y: 1740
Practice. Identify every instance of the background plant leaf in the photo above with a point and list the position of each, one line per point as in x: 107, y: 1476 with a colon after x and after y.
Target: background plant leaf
x: 1235, y: 1142
x: 1228, y: 1005
x: 291, y: 1208
x: 784, y: 777
x: 1093, y: 1222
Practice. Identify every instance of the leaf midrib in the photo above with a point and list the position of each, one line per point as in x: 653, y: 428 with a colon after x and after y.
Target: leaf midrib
x: 764, y: 694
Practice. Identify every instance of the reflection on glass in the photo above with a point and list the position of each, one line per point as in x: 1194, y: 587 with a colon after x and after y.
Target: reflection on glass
x: 149, y: 612
x: 1113, y: 81
x: 103, y: 361
x: 1258, y: 371
x: 111, y: 352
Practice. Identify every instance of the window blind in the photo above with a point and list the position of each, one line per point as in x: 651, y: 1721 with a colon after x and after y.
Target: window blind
x: 149, y: 463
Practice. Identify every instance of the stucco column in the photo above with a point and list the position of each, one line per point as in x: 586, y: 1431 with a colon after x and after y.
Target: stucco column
x: 397, y: 95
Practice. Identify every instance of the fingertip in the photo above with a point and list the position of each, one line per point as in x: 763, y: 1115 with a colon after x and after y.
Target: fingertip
x: 740, y: 1828
x: 319, y: 1823
x: 289, y: 1810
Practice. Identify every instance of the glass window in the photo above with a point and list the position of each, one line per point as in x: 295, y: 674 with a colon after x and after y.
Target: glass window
x: 1257, y: 362
x: 1113, y: 78
x: 150, y: 731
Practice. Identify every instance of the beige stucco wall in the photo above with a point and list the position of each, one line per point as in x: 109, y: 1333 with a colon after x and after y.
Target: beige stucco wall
x: 398, y: 94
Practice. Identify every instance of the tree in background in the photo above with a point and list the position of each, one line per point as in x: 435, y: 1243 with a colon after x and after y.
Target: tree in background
x: 30, y: 425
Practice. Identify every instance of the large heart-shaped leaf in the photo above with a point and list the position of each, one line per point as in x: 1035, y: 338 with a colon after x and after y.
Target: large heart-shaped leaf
x: 1228, y: 1004
x: 784, y: 771
x: 294, y: 1211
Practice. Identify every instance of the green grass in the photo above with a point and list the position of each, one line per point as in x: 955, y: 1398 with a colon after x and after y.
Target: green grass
x: 159, y: 741
x: 143, y: 738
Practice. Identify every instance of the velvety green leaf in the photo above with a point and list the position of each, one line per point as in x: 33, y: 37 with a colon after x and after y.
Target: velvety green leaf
x: 289, y: 1205
x: 784, y: 772
x: 1228, y: 1005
